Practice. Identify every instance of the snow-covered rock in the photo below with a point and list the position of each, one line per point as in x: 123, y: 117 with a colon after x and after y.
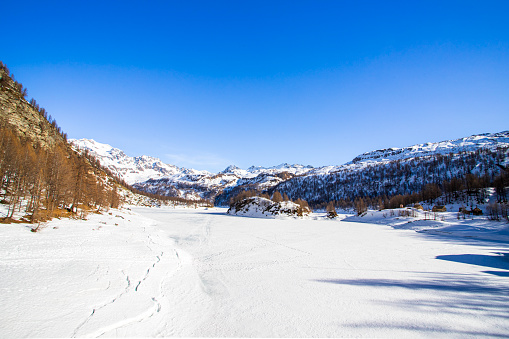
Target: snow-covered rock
x: 265, y: 208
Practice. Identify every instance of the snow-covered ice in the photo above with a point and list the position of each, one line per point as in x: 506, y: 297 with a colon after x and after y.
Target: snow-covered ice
x: 199, y: 272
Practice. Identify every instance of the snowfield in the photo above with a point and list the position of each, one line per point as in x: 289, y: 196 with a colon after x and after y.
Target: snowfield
x: 201, y: 273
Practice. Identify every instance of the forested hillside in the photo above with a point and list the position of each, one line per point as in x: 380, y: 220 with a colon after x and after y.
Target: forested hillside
x: 41, y: 176
x: 406, y: 180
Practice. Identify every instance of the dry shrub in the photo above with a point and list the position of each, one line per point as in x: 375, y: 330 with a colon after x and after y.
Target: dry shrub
x: 7, y: 220
x: 45, y: 215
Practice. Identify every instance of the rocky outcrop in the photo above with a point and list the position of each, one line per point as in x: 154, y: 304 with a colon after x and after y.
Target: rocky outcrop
x: 265, y: 208
x: 25, y: 119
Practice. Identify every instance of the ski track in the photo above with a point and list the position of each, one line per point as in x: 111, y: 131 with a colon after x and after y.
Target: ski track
x: 124, y: 322
x: 127, y: 292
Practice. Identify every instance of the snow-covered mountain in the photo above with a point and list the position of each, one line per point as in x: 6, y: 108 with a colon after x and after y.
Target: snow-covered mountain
x: 152, y: 175
x: 486, y: 141
x: 467, y: 144
x: 403, y: 171
x: 133, y: 169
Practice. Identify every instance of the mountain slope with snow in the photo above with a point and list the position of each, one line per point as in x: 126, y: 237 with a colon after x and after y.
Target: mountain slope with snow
x: 152, y: 175
x: 467, y: 144
x: 404, y: 171
x: 132, y: 169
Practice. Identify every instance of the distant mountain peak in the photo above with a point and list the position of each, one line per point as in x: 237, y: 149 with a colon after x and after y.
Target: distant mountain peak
x: 131, y: 169
x: 254, y: 168
x: 230, y: 169
x: 283, y: 166
x: 286, y: 165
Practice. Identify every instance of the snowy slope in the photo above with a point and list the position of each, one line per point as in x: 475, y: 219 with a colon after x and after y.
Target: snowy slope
x: 140, y: 169
x: 487, y: 141
x: 402, y: 170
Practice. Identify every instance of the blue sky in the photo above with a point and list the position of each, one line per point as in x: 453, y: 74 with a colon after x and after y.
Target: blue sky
x: 205, y: 84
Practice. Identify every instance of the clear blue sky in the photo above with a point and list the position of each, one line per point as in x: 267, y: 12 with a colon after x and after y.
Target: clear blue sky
x: 205, y: 84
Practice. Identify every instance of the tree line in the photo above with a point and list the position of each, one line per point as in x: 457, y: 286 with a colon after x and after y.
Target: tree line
x: 470, y: 190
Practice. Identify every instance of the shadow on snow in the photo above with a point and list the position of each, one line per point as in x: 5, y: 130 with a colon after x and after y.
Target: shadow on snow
x: 500, y: 261
x: 461, y: 295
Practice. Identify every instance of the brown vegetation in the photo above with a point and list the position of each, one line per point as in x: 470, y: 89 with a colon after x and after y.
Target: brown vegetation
x: 277, y: 197
x: 47, y: 183
x: 438, y: 208
x: 331, y: 210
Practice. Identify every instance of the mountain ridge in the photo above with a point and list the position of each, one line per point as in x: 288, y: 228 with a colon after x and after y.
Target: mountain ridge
x: 116, y: 160
x: 473, y: 142
x: 150, y: 174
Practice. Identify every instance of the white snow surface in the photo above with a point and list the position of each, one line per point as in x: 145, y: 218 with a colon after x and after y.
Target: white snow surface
x: 201, y: 273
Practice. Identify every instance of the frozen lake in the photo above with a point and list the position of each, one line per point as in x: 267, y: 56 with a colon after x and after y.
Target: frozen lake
x: 186, y: 272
